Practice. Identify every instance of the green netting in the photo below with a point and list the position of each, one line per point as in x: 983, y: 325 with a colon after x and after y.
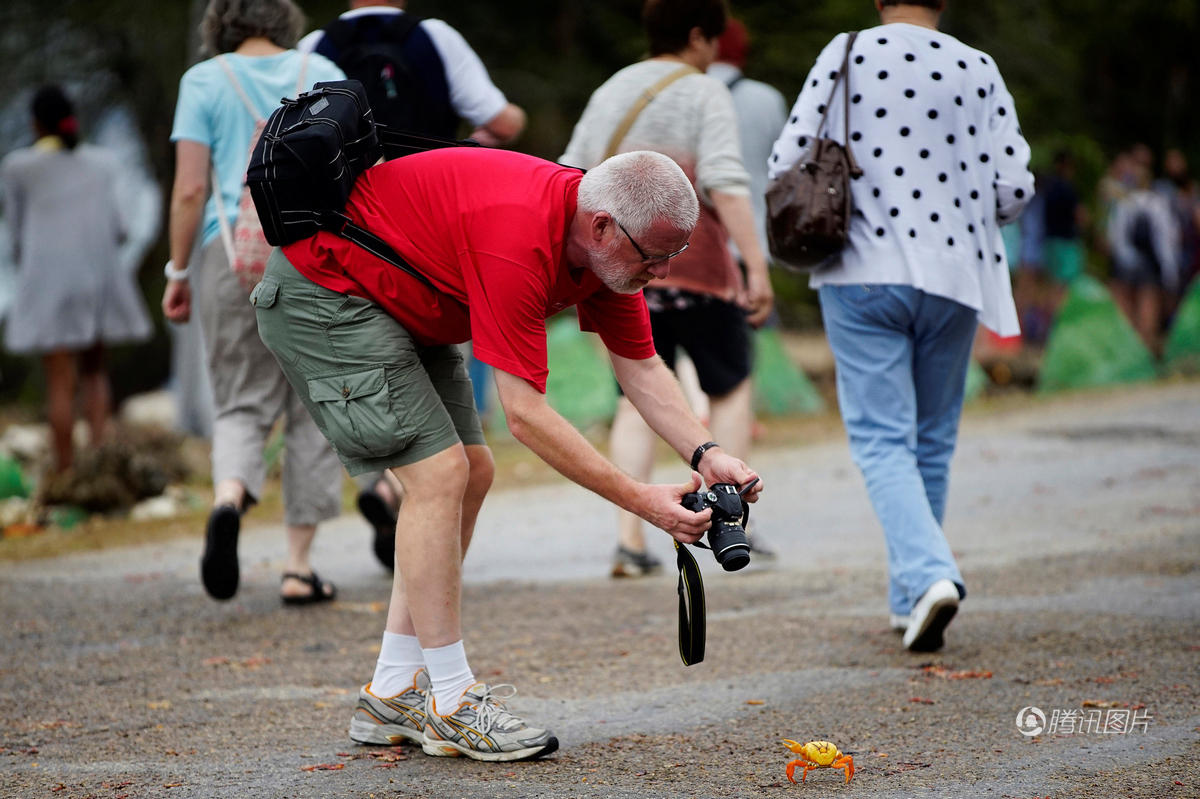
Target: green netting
x: 977, y: 381
x: 779, y: 386
x: 1091, y: 343
x: 12, y: 479
x: 581, y: 385
x: 1182, y: 353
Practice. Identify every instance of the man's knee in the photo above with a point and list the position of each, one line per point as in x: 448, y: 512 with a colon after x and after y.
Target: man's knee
x: 482, y: 469
x: 442, y: 475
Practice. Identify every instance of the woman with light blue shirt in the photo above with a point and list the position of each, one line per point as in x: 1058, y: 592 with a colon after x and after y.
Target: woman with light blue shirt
x: 944, y: 164
x: 220, y: 101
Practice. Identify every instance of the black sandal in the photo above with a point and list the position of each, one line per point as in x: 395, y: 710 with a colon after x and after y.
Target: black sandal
x: 219, y: 563
x: 316, y: 594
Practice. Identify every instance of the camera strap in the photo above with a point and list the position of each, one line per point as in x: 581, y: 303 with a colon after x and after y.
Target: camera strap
x: 691, y: 607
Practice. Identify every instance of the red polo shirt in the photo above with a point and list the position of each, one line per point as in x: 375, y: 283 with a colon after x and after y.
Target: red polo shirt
x: 488, y: 228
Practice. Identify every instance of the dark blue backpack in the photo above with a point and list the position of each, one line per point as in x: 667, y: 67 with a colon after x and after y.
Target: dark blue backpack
x: 375, y: 50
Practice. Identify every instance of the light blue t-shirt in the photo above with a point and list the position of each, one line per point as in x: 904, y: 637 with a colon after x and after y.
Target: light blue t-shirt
x: 209, y: 111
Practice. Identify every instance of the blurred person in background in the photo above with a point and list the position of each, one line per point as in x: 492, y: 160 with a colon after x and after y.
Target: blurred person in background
x: 1143, y: 242
x: 252, y: 65
x: 1179, y: 188
x: 706, y: 306
x: 944, y: 166
x: 1063, y: 216
x: 73, y: 297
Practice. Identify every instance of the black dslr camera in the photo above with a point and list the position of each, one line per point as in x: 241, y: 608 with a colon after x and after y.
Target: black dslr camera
x: 727, y: 536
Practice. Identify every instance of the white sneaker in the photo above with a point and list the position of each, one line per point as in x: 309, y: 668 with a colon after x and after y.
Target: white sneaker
x: 897, y: 622
x: 929, y: 617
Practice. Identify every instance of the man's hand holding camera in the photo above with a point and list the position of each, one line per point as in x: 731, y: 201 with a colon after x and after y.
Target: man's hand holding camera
x: 716, y: 466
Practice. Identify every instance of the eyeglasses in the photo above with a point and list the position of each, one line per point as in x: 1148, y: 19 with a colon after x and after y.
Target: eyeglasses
x: 651, y: 259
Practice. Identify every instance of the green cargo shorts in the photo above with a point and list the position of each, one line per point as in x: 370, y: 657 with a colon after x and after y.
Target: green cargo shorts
x: 381, y: 398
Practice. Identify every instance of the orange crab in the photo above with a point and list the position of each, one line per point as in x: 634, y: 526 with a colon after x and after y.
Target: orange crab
x: 817, y: 754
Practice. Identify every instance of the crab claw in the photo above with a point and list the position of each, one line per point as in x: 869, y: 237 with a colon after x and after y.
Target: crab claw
x: 795, y: 747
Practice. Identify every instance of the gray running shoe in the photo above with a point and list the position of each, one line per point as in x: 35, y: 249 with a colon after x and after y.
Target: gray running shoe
x: 482, y: 728
x: 627, y: 563
x: 388, y: 721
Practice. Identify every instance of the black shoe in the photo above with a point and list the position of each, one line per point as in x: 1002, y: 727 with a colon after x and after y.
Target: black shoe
x: 219, y: 563
x: 383, y: 519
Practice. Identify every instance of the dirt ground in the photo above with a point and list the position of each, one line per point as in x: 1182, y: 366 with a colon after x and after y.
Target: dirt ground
x: 1076, y: 524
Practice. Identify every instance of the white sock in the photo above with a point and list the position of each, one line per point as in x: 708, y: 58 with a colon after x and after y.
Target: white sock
x: 399, y: 659
x: 450, y: 675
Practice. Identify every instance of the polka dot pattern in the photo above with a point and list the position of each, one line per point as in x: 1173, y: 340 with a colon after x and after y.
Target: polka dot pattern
x: 933, y: 128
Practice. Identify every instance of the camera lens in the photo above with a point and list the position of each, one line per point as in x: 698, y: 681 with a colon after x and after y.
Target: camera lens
x: 729, y: 545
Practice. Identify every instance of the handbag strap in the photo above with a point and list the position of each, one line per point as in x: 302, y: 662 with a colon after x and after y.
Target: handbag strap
x: 642, y: 101
x: 844, y: 77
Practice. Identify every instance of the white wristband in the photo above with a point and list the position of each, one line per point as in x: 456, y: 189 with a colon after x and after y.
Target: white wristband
x: 174, y: 274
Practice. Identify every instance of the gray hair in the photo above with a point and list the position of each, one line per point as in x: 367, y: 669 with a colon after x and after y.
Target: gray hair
x: 228, y: 23
x: 638, y: 189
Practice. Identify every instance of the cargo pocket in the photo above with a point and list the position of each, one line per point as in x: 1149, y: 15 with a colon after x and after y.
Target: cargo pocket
x: 357, y: 413
x: 265, y: 293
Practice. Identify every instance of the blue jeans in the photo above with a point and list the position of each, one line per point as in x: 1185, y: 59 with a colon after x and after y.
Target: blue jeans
x: 902, y: 358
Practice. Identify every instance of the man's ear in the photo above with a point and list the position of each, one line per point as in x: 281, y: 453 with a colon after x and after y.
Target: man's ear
x: 602, y: 223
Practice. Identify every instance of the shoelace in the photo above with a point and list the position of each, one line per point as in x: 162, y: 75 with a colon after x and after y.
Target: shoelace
x: 490, y: 712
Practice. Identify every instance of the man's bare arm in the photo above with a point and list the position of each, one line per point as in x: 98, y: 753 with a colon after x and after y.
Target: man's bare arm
x: 553, y: 439
x: 656, y: 394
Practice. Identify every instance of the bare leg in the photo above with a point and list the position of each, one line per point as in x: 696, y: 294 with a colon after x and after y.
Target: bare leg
x: 61, y: 377
x: 1148, y: 315
x: 229, y: 492
x: 427, y: 584
x: 299, y: 545
x: 733, y: 419
x: 1123, y: 295
x: 96, y: 392
x: 483, y: 470
x: 389, y: 489
x: 631, y: 447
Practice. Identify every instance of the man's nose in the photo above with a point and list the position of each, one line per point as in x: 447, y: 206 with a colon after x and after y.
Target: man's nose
x: 660, y: 271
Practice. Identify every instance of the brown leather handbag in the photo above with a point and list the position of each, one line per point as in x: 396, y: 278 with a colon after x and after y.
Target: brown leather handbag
x: 808, y: 207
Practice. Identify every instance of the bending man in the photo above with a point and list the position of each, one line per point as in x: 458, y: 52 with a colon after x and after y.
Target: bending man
x: 506, y: 240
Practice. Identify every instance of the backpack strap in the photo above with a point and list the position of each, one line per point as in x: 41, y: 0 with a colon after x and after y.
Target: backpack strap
x: 339, y: 224
x: 642, y: 101
x: 300, y: 82
x: 226, y: 230
x: 237, y: 87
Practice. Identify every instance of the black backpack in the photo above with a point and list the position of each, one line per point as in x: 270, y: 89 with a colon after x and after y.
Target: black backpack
x: 311, y: 152
x: 370, y: 49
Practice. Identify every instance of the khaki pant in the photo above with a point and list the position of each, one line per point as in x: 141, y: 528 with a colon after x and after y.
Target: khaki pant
x: 249, y: 394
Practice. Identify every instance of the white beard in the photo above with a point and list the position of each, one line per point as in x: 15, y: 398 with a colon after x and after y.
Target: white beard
x: 613, y: 272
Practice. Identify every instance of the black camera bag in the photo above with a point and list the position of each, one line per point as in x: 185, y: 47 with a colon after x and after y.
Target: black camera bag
x: 311, y: 152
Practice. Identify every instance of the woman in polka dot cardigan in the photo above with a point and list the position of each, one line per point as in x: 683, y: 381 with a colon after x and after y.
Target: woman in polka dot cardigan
x: 944, y: 166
